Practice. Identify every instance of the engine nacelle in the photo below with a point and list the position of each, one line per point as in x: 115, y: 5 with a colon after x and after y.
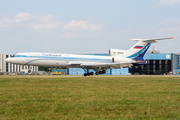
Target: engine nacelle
x: 120, y: 59
x: 116, y: 52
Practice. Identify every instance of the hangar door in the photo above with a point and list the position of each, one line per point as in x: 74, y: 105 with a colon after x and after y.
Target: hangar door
x: 156, y: 67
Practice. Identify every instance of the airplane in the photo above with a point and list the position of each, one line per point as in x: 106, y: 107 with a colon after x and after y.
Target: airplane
x: 117, y: 59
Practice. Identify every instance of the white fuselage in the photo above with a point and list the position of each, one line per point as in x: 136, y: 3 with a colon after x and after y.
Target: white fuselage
x: 58, y: 60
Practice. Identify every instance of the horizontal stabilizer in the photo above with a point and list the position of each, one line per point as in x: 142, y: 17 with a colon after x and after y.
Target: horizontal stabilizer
x: 151, y: 40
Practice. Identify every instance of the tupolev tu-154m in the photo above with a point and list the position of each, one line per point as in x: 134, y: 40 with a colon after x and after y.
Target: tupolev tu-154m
x: 117, y: 59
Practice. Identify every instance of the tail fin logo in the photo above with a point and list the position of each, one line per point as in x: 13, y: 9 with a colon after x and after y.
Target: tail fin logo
x: 141, y: 52
x: 138, y: 47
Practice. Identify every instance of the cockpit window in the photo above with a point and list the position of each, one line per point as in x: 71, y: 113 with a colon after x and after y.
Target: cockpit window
x: 14, y: 55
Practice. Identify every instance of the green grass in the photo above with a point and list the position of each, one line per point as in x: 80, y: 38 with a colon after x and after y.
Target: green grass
x: 35, y: 98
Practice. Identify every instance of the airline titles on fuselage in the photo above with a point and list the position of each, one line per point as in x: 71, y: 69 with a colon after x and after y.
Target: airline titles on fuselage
x: 50, y: 54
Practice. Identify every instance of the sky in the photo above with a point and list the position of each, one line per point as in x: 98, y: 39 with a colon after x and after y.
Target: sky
x: 87, y: 26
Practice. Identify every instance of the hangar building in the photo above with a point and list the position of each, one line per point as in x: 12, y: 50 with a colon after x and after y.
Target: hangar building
x: 157, y: 64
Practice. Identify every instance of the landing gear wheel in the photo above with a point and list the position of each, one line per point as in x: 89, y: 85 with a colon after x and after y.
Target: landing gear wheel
x: 92, y: 73
x: 88, y: 74
x: 100, y: 72
x: 97, y: 73
x: 85, y: 74
x: 29, y: 71
x: 103, y: 71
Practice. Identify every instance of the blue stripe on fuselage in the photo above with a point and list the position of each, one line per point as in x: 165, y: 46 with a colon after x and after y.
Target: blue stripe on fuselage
x: 67, y: 58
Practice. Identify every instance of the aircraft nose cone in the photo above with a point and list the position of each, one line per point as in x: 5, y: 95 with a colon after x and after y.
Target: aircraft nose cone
x: 8, y: 60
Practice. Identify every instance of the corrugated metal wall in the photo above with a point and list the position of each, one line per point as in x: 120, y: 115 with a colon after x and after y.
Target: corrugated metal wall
x: 80, y: 71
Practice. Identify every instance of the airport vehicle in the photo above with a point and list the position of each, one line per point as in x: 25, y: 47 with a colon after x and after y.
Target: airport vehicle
x: 55, y: 73
x: 117, y: 59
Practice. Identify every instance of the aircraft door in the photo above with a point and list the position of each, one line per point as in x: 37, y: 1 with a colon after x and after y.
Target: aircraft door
x: 67, y: 58
x: 28, y: 57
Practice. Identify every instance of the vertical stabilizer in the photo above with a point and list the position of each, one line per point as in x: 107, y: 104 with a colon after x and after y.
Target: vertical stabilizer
x: 138, y: 51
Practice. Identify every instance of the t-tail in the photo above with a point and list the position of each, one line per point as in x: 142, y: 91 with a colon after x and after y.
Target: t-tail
x: 139, y: 50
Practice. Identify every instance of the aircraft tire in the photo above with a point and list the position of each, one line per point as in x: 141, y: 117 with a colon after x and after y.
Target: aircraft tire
x: 29, y: 71
x: 92, y: 73
x: 103, y: 71
x: 100, y: 72
x: 97, y: 73
x: 85, y: 74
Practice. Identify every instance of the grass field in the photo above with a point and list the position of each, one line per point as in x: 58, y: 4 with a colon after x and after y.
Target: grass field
x: 44, y: 97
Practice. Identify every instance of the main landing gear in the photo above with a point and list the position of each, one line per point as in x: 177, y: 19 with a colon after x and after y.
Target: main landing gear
x: 88, y: 74
x: 100, y: 72
x: 91, y: 73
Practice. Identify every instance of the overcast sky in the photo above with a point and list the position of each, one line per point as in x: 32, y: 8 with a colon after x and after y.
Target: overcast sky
x: 87, y: 26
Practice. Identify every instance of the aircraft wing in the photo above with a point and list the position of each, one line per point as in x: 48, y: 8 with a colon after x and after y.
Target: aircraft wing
x: 107, y: 65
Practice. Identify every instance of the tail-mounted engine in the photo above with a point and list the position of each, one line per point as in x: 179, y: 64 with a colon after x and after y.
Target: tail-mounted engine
x: 117, y: 59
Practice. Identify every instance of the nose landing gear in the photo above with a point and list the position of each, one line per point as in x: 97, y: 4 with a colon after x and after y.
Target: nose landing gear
x: 29, y: 70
